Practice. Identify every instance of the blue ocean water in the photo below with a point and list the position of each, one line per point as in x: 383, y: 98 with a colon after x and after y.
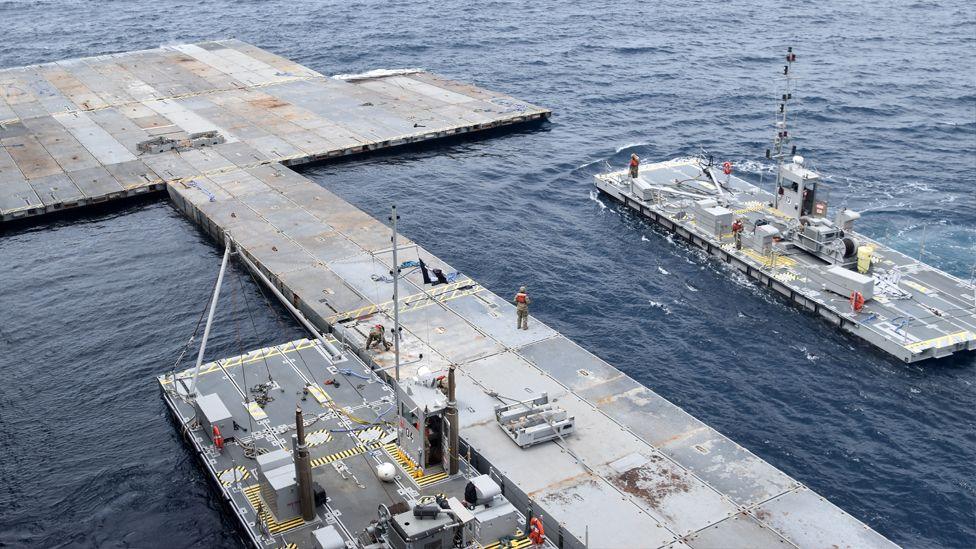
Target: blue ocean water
x: 92, y: 308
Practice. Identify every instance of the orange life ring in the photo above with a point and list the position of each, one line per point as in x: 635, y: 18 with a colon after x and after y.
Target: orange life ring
x: 537, y: 532
x: 218, y: 440
x: 727, y: 167
x: 857, y: 301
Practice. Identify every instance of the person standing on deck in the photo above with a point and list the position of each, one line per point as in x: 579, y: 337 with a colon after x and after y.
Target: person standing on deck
x: 634, y: 165
x: 522, y: 309
x: 737, y: 233
x: 377, y: 335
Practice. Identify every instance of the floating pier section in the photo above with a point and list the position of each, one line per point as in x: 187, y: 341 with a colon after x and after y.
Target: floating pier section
x: 637, y: 471
x: 91, y: 130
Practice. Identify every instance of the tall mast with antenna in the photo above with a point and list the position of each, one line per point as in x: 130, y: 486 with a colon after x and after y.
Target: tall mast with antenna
x: 783, y: 137
x: 396, y: 317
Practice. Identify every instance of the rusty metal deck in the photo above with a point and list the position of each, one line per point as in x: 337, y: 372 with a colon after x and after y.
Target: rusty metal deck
x: 70, y: 130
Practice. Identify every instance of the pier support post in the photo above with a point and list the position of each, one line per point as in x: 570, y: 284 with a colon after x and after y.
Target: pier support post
x: 452, y: 419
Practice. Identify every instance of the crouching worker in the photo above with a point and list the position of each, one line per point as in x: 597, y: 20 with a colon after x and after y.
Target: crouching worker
x: 377, y: 335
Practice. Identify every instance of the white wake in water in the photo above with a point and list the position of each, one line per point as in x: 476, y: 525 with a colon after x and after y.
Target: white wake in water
x: 629, y: 146
x: 659, y: 305
x: 595, y: 197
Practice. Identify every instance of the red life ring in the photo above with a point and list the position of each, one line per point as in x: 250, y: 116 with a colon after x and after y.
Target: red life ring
x: 727, y: 167
x: 857, y: 301
x: 537, y: 533
x: 218, y: 440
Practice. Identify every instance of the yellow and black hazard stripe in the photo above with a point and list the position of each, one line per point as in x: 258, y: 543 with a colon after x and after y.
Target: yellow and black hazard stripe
x: 253, y: 494
x: 413, y: 471
x: 372, y: 434
x: 228, y: 477
x: 318, y: 438
x: 354, y: 451
x: 513, y: 544
x: 428, y: 480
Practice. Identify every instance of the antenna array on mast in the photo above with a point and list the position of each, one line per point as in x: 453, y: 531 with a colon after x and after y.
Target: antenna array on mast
x: 783, y: 137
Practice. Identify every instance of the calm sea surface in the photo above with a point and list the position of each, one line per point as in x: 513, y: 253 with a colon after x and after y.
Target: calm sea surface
x: 92, y: 308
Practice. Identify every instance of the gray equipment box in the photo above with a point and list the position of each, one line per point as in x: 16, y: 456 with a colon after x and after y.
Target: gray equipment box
x: 495, y: 522
x: 211, y: 411
x: 704, y: 203
x: 762, y: 239
x: 534, y: 421
x: 410, y: 532
x: 280, y: 493
x: 276, y: 475
x: 327, y: 538
x: 642, y: 189
x: 845, y: 281
x: 715, y: 220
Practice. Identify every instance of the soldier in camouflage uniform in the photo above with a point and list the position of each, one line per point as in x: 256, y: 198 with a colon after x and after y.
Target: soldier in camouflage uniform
x: 522, y: 309
x: 377, y: 335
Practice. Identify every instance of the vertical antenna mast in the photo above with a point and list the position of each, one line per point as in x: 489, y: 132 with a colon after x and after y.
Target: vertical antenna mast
x: 783, y: 137
x: 396, y: 317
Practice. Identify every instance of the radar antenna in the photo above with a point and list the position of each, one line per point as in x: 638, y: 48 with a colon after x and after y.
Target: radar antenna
x: 783, y: 137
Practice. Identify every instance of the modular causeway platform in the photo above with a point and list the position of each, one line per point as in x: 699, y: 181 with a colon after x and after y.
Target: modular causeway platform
x: 638, y: 471
x: 91, y: 130
x: 913, y: 311
x: 217, y: 124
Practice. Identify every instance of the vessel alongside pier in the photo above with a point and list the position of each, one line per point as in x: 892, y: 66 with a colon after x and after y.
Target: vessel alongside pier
x: 786, y: 240
x: 910, y: 310
x: 598, y: 459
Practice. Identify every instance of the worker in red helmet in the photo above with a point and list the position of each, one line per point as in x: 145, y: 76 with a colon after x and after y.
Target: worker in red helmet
x: 377, y: 335
x: 737, y: 233
x: 522, y: 309
x: 634, y: 165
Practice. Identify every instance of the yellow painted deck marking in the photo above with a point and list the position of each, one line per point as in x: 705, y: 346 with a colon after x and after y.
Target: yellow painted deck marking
x: 250, y: 358
x: 253, y: 495
x: 371, y: 434
x: 354, y: 451
x: 441, y: 294
x: 227, y: 476
x: 319, y: 395
x: 755, y: 206
x: 916, y: 286
x: 318, y: 438
x: 515, y: 544
x: 428, y: 480
x: 941, y: 341
x: 411, y: 468
x: 256, y: 411
x: 778, y: 261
